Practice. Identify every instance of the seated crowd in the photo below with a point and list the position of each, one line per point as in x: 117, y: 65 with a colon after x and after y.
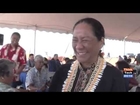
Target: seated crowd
x: 35, y: 77
x: 133, y: 83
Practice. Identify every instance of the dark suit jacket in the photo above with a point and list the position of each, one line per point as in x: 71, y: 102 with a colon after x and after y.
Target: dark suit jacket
x: 54, y: 65
x: 111, y: 81
x: 30, y: 63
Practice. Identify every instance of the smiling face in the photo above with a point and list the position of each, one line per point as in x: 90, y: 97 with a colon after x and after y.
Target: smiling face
x: 85, y: 44
x: 15, y: 39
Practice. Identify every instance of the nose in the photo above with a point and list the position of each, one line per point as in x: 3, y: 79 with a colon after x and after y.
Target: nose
x: 79, y: 46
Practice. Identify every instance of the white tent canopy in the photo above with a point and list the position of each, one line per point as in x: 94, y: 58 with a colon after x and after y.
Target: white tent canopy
x: 117, y: 26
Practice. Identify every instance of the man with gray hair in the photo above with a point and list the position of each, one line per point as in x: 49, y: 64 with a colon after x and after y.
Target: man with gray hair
x: 36, y: 79
x: 6, y: 75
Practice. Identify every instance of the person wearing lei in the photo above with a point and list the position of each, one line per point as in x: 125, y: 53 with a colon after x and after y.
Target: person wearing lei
x: 90, y: 72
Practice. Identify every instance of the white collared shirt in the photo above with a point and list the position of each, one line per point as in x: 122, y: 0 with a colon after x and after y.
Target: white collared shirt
x: 38, y: 79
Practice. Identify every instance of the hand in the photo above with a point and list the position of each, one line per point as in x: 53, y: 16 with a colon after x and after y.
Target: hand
x: 16, y: 76
x: 29, y: 68
x: 43, y: 88
x: 32, y: 89
x: 18, y: 72
x: 48, y: 83
x: 25, y: 70
x: 21, y: 90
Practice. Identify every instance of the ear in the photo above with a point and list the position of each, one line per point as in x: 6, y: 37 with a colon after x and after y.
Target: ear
x: 102, y: 42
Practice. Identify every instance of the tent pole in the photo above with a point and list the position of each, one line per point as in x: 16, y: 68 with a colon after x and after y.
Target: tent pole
x: 124, y: 46
x: 35, y: 40
x: 124, y: 41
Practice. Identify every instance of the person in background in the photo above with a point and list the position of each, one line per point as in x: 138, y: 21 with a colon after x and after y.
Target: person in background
x: 54, y: 65
x: 137, y: 66
x: 46, y: 68
x: 108, y: 55
x: 90, y: 72
x: 120, y: 58
x: 129, y: 61
x: 36, y: 79
x: 69, y: 61
x: 31, y: 62
x: 125, y: 58
x: 15, y: 53
x: 7, y: 75
x: 74, y: 57
x: 130, y: 82
x: 66, y: 60
x: 135, y: 60
x: 46, y: 62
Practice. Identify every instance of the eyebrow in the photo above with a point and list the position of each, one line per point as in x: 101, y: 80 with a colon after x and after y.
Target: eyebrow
x: 86, y: 37
x: 74, y: 37
x: 82, y: 37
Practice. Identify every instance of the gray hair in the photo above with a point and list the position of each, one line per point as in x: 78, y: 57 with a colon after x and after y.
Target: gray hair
x: 6, y: 67
x: 38, y: 57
